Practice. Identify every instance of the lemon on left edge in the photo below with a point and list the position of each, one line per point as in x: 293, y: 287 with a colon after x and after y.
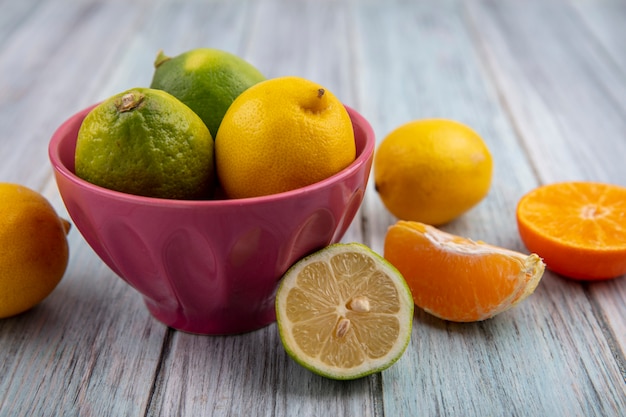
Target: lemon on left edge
x: 33, y: 249
x: 146, y: 142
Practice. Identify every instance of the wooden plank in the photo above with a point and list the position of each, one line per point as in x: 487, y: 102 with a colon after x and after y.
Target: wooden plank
x: 249, y: 374
x: 534, y: 84
x: 176, y: 27
x: 606, y: 19
x: 546, y: 356
x: 45, y: 76
x: 594, y: 120
x: 13, y: 15
x: 90, y: 348
x: 560, y: 88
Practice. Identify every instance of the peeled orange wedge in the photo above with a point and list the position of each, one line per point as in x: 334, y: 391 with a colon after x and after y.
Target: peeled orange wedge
x: 344, y: 312
x: 458, y: 279
x: 578, y: 228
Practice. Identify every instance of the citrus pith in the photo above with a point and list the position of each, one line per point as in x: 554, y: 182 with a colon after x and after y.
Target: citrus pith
x: 344, y: 312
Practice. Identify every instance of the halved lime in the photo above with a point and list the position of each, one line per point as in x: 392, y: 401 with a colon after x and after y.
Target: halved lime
x: 344, y: 312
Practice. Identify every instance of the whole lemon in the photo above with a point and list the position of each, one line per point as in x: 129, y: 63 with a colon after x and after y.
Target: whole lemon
x: 146, y: 142
x: 282, y: 134
x: 33, y: 249
x: 205, y: 79
x: 432, y: 170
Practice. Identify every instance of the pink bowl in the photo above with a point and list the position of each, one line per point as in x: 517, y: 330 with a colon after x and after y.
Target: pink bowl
x: 210, y: 267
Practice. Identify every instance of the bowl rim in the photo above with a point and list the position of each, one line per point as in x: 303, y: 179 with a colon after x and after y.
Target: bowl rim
x: 61, y: 132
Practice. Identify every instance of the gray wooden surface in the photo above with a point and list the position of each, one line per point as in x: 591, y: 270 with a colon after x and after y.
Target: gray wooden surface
x: 542, y: 81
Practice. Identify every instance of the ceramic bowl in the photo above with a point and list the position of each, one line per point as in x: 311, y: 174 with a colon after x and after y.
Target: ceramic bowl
x: 210, y: 267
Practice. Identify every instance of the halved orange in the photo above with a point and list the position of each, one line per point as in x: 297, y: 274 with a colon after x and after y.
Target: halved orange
x: 456, y: 278
x: 578, y: 228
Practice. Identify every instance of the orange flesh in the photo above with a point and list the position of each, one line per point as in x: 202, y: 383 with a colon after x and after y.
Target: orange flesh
x: 586, y: 216
x: 456, y: 278
x: 579, y: 228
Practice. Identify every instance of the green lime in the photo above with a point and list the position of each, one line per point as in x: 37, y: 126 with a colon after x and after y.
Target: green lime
x: 344, y: 312
x: 207, y: 80
x: 146, y: 142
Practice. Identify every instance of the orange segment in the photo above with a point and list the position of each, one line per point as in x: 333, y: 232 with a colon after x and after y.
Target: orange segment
x: 458, y: 279
x: 578, y: 228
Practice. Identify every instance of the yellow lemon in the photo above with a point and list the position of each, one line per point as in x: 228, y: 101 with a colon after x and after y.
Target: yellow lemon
x: 432, y: 171
x: 146, y: 142
x: 281, y: 134
x: 205, y: 79
x: 344, y: 312
x: 33, y: 249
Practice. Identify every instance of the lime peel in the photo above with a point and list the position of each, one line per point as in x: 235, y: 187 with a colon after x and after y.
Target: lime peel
x: 146, y: 142
x: 205, y: 79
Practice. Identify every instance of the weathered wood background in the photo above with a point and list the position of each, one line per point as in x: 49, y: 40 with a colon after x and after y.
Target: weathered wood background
x: 542, y: 81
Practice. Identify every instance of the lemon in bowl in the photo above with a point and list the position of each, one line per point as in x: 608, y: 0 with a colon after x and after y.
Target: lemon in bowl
x: 282, y: 134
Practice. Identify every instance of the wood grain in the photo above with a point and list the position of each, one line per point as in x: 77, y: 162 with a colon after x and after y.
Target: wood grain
x: 542, y: 81
x: 589, y: 127
x: 516, y: 346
